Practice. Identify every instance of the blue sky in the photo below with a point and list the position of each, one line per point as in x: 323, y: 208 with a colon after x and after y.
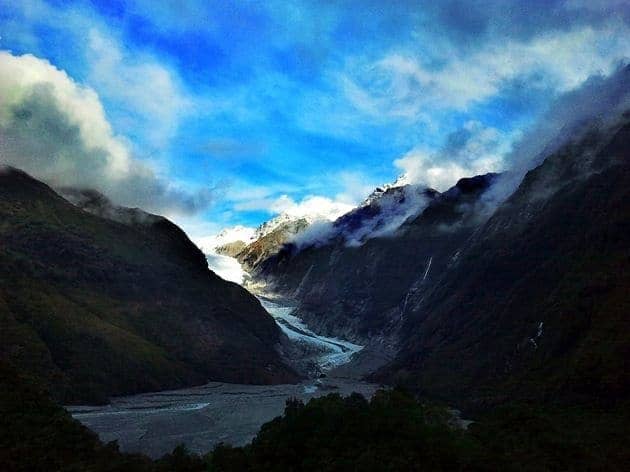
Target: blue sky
x: 240, y: 110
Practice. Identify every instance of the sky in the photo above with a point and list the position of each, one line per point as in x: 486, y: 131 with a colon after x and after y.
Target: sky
x: 227, y: 113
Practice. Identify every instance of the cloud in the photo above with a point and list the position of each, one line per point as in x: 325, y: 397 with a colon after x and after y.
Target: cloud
x: 57, y: 130
x: 236, y: 233
x: 277, y: 199
x: 226, y: 267
x: 410, y: 86
x: 312, y: 207
x: 472, y: 21
x: 378, y: 216
x: 355, y: 187
x: 474, y: 149
x: 599, y: 102
x: 148, y: 96
x: 142, y: 94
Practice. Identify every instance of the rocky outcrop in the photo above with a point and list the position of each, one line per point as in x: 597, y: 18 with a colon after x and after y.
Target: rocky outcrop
x: 269, y: 243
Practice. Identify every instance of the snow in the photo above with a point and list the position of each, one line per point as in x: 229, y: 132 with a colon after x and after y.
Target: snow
x: 269, y: 226
x: 208, y: 244
x: 378, y: 192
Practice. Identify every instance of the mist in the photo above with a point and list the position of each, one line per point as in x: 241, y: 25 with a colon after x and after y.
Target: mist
x: 598, y: 104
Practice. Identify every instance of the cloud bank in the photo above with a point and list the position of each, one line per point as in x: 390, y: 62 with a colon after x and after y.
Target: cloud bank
x: 379, y: 216
x: 312, y: 207
x: 409, y: 86
x: 57, y: 130
x: 599, y: 102
x: 472, y: 150
x: 226, y: 267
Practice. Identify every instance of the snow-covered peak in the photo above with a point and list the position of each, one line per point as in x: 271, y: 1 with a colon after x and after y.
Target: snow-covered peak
x: 245, y: 234
x: 311, y: 209
x: 274, y: 223
x: 378, y: 192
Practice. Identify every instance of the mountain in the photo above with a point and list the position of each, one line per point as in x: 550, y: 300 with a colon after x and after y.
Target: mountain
x: 475, y: 304
x: 266, y: 241
x: 536, y: 305
x: 270, y: 241
x: 229, y: 241
x: 359, y: 290
x: 109, y: 301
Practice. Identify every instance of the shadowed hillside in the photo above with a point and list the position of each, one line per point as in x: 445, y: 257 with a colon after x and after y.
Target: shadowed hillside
x: 537, y: 304
x: 96, y: 307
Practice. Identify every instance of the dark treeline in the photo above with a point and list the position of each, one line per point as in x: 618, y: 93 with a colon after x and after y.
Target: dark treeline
x: 392, y: 432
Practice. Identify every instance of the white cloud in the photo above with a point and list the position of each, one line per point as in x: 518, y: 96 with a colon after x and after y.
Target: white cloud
x: 143, y: 95
x: 600, y: 102
x: 312, y: 207
x: 21, y: 76
x: 402, y: 85
x: 420, y: 167
x: 473, y: 150
x: 57, y: 130
x: 356, y: 187
x: 209, y: 243
x: 226, y: 267
x: 147, y: 93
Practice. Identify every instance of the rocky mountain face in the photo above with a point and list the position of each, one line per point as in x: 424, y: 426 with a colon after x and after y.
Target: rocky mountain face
x: 474, y: 303
x: 361, y: 291
x: 268, y: 239
x: 97, y: 300
x: 270, y: 243
x: 536, y: 305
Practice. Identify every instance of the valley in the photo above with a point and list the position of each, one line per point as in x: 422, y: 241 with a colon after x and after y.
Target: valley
x: 202, y: 417
x: 314, y: 236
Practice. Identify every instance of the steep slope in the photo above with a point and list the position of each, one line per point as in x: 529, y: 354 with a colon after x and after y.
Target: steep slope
x: 361, y: 291
x: 269, y: 242
x: 537, y: 304
x: 96, y: 307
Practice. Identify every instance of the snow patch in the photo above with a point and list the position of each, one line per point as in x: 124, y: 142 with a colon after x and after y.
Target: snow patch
x: 208, y: 244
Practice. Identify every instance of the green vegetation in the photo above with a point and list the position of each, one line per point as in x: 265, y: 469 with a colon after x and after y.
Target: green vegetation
x: 38, y: 435
x: 394, y: 432
x: 95, y: 308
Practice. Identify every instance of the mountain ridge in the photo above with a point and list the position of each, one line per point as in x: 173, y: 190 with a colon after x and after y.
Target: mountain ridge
x: 417, y: 298
x: 95, y: 307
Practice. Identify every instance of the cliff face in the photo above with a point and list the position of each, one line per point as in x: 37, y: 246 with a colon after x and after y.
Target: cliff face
x: 537, y: 304
x: 108, y: 301
x: 270, y: 243
x: 474, y: 304
x: 361, y: 292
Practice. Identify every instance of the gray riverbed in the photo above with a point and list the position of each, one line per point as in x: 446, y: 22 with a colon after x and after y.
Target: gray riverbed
x: 201, y: 417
